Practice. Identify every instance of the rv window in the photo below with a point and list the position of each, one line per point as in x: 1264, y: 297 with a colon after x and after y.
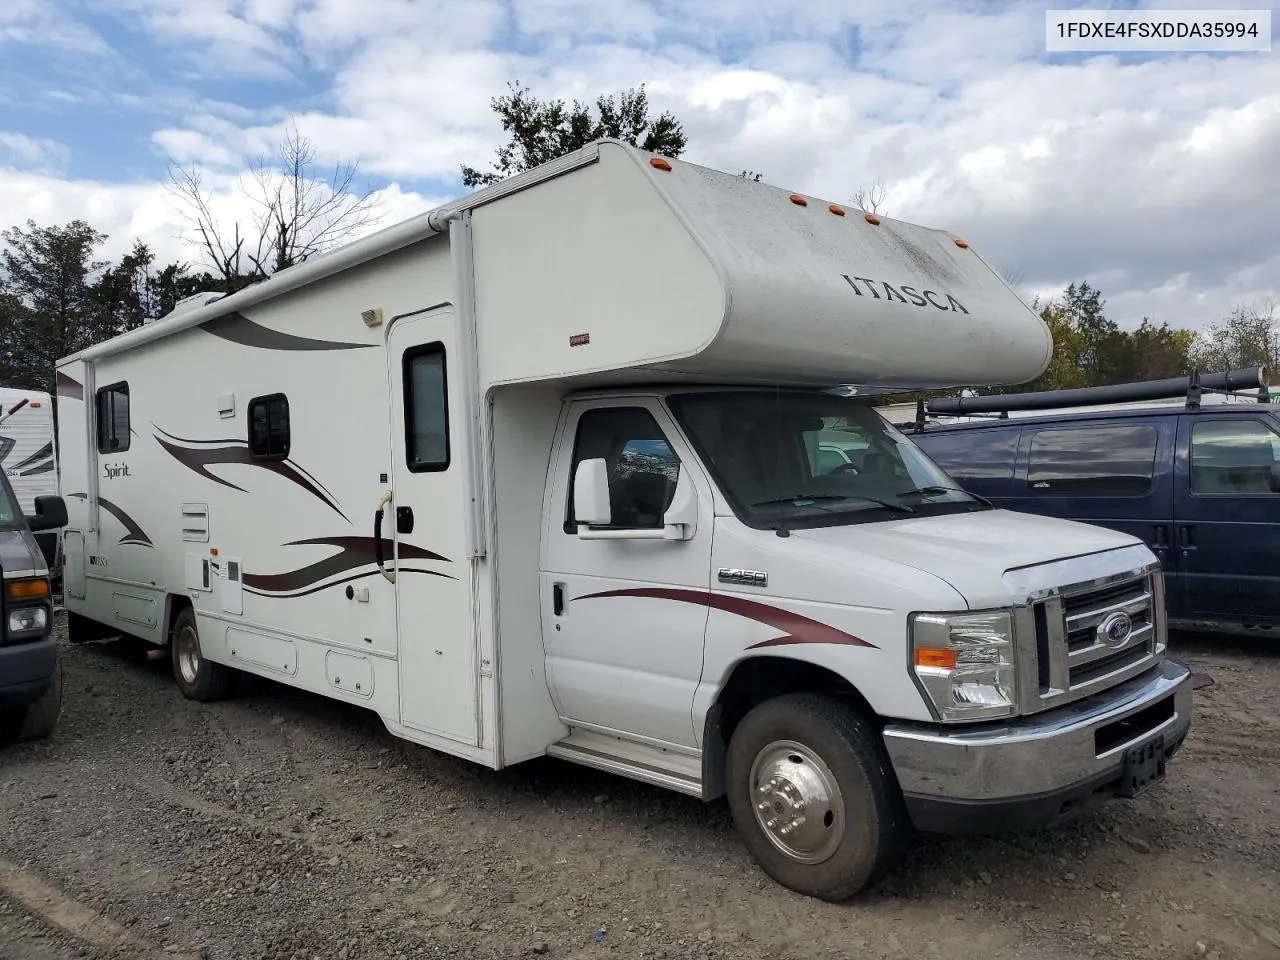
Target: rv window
x: 643, y: 470
x: 1233, y: 456
x: 113, y: 418
x: 269, y: 435
x: 1107, y: 461
x: 426, y: 408
x: 981, y: 454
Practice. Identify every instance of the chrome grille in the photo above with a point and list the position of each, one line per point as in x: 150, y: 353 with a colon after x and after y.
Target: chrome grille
x: 1075, y: 655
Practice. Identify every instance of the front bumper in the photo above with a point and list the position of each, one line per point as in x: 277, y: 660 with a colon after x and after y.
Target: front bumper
x: 26, y: 671
x: 1027, y: 773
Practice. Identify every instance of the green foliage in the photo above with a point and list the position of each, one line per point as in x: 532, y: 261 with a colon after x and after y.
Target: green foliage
x: 57, y: 298
x: 1247, y: 337
x: 543, y: 130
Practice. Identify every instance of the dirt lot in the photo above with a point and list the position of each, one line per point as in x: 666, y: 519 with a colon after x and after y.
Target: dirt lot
x: 285, y: 825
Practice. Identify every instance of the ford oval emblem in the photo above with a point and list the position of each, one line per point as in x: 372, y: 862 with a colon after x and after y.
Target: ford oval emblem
x: 1114, y: 631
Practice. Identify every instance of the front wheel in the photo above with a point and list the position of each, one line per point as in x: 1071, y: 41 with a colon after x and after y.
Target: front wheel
x: 811, y: 791
x: 198, y: 678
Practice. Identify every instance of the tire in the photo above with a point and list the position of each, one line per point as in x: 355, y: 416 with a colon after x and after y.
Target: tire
x: 198, y: 679
x: 41, y: 717
x: 852, y: 827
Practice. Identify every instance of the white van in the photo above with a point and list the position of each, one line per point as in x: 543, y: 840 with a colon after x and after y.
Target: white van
x: 538, y: 473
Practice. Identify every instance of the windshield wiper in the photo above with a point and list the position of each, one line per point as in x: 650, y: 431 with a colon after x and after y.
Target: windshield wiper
x: 895, y: 507
x: 937, y: 489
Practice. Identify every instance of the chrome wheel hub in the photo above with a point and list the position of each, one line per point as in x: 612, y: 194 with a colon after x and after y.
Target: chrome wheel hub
x: 188, y: 655
x: 797, y: 801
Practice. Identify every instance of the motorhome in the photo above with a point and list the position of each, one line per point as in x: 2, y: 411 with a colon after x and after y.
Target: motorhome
x: 537, y: 473
x: 29, y: 457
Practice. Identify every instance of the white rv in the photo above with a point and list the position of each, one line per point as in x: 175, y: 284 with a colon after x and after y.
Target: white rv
x: 29, y: 456
x: 537, y: 473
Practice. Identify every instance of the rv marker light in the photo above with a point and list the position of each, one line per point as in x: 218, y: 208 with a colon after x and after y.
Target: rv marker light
x: 659, y: 163
x: 798, y: 200
x: 873, y: 220
x: 838, y: 211
x: 961, y: 244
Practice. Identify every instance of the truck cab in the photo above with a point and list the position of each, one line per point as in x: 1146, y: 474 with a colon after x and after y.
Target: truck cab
x: 30, y: 669
x: 822, y: 638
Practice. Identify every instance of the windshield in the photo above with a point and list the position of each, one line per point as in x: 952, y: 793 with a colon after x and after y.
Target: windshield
x: 813, y: 459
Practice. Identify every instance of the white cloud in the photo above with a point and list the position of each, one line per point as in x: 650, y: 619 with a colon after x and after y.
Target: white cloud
x: 33, y: 153
x: 1151, y: 178
x: 146, y: 212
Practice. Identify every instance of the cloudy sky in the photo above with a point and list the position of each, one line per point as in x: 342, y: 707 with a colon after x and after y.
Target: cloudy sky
x: 1153, y: 177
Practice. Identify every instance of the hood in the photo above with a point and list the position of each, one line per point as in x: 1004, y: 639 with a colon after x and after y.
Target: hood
x: 20, y: 553
x: 971, y: 551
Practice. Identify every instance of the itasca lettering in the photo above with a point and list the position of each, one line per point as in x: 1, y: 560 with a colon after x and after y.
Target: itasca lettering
x: 887, y: 291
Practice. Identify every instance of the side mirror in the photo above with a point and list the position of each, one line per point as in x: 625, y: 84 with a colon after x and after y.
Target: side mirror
x: 681, y: 519
x: 51, y: 514
x: 1274, y: 478
x: 591, y: 494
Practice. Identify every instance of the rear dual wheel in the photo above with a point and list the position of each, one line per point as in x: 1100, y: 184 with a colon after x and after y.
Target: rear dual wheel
x: 813, y: 795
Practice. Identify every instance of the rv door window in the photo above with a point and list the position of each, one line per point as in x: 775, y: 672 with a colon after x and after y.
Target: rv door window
x: 113, y: 418
x: 1106, y: 461
x: 1233, y: 457
x: 643, y: 469
x: 426, y: 408
x: 269, y: 434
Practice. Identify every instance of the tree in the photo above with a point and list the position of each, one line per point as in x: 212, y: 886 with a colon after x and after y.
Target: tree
x: 871, y: 199
x: 57, y: 298
x: 543, y: 130
x: 51, y: 299
x: 1247, y: 337
x: 295, y: 212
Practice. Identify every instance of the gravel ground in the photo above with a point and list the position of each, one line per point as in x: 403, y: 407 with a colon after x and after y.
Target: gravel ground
x: 283, y: 825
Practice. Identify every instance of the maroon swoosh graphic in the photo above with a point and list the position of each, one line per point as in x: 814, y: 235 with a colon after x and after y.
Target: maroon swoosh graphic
x: 354, y: 552
x: 45, y: 451
x: 133, y: 532
x: 238, y: 328
x: 199, y: 458
x: 795, y: 628
x: 68, y: 387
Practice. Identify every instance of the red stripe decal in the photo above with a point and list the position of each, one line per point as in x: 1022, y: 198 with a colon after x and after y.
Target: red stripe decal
x: 796, y: 629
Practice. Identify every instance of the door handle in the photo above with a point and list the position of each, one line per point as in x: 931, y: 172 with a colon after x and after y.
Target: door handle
x: 1161, y: 536
x: 557, y: 599
x: 1186, y: 538
x: 377, y: 538
x: 404, y: 519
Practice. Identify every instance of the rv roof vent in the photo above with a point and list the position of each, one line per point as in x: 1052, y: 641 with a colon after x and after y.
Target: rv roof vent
x: 196, y: 300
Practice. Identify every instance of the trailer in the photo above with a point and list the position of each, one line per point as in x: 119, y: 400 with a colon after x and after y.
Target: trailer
x: 538, y: 473
x: 29, y: 457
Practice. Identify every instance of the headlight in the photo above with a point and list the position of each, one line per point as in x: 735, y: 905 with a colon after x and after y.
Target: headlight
x: 965, y: 663
x: 28, y: 620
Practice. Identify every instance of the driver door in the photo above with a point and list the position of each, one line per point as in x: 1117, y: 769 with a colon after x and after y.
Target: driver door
x: 624, y: 619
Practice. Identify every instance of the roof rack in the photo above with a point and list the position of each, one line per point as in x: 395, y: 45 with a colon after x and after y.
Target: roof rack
x: 1248, y: 378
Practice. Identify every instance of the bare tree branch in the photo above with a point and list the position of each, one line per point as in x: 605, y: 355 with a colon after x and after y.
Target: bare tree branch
x: 295, y: 212
x: 870, y: 199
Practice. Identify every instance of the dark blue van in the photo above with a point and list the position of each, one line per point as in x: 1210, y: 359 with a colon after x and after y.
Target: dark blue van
x: 1199, y: 484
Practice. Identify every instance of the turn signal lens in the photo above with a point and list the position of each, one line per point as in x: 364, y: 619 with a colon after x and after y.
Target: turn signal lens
x: 27, y: 589
x: 940, y: 657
